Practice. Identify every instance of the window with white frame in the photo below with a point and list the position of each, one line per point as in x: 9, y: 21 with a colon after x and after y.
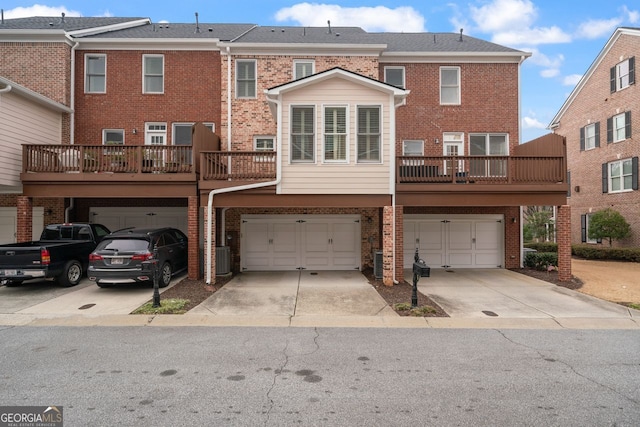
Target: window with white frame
x: 450, y: 85
x: 623, y: 74
x: 394, y: 76
x: 410, y: 148
x: 590, y: 136
x: 335, y: 134
x: 113, y: 136
x: 181, y: 133
x: 303, y: 134
x: 266, y: 143
x: 155, y: 134
x: 488, y: 144
x: 153, y: 73
x: 587, y: 239
x: 369, y: 134
x: 245, y: 78
x: 620, y: 176
x: 95, y: 77
x: 303, y: 68
x: 619, y: 127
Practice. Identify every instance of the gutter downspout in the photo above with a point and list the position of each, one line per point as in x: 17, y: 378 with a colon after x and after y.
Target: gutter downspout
x: 392, y: 181
x: 212, y: 193
x: 72, y: 119
x: 6, y: 89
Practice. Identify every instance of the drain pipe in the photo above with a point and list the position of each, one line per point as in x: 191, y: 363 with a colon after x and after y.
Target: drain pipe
x: 212, y: 193
x: 68, y: 209
x: 6, y: 89
x: 72, y: 102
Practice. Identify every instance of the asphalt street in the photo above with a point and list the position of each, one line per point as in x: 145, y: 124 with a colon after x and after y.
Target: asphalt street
x: 167, y: 376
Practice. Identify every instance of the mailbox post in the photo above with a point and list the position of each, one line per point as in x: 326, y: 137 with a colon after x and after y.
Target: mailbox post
x: 420, y: 269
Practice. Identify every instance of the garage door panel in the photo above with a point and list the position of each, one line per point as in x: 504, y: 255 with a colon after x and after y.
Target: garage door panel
x: 487, y: 235
x: 460, y: 260
x: 9, y: 224
x: 460, y: 236
x: 116, y: 218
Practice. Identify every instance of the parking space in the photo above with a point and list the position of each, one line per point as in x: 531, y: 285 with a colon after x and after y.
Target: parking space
x: 33, y: 292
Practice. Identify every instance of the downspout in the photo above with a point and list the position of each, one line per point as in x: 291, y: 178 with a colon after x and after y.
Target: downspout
x: 68, y: 209
x: 522, y: 59
x: 72, y: 118
x: 212, y: 193
x: 392, y: 182
x: 6, y: 89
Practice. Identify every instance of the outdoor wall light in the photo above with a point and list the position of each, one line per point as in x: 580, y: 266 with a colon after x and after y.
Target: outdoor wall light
x: 437, y: 141
x: 134, y: 131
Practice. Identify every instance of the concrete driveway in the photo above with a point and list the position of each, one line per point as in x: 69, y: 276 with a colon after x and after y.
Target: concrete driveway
x: 296, y: 293
x: 506, y: 294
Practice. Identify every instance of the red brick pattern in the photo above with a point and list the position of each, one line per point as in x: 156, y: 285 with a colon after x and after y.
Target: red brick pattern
x: 193, y: 235
x: 387, y: 246
x: 24, y: 220
x: 211, y: 238
x: 563, y: 237
x: 596, y: 103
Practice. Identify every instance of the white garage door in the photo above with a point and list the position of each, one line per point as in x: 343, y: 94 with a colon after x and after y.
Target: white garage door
x: 124, y: 217
x: 9, y: 224
x: 459, y: 241
x: 289, y: 242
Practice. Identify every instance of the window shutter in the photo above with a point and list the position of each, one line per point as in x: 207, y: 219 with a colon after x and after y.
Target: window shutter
x: 609, y: 130
x: 627, y: 124
x: 583, y: 228
x: 597, y: 133
x: 613, y: 79
x: 581, y: 139
x: 632, y: 70
x: 605, y: 178
x: 634, y: 173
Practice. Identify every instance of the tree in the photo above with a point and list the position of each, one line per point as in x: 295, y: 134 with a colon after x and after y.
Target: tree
x: 608, y: 224
x: 538, y: 222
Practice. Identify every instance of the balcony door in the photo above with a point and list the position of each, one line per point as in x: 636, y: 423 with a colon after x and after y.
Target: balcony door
x: 155, y: 137
x: 453, y: 146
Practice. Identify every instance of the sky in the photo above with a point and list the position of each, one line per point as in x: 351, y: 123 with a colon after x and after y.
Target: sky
x: 564, y: 36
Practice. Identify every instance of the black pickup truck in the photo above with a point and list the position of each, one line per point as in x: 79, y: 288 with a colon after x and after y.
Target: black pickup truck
x: 62, y: 253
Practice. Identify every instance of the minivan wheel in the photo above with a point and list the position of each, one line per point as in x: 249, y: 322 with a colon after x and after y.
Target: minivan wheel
x: 165, y: 275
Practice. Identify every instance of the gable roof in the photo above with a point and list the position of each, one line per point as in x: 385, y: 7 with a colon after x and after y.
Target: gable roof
x: 67, y: 23
x: 632, y: 31
x: 8, y: 86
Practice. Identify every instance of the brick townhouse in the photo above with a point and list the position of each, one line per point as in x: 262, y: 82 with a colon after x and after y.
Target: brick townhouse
x: 280, y: 148
x: 600, y: 120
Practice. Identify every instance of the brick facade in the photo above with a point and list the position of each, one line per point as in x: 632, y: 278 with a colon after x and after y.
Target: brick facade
x: 595, y: 104
x: 563, y: 237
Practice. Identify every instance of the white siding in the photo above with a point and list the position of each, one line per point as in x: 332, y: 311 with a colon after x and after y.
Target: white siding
x: 23, y: 122
x: 332, y: 178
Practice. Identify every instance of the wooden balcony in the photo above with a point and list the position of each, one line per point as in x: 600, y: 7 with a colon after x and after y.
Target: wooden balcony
x: 220, y: 169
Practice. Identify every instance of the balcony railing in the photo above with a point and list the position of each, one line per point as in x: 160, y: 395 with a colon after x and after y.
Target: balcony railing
x: 238, y: 165
x: 107, y: 158
x: 481, y: 169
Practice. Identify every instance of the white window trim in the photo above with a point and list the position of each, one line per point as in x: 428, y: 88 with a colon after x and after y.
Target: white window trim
x: 303, y: 61
x: 589, y: 240
x: 619, y: 87
x: 144, y: 74
x: 266, y: 158
x: 382, y: 135
x: 404, y: 74
x: 86, y: 71
x: 487, y: 135
x: 412, y: 162
x: 346, y: 142
x: 148, y: 133
x: 459, y: 86
x: 255, y: 80
x: 315, y: 135
x: 615, y: 128
x: 586, y: 137
x: 610, y: 178
x: 104, y: 135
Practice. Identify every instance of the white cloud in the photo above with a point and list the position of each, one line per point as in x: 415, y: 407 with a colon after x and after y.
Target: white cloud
x: 532, y: 123
x: 633, y: 16
x: 549, y: 73
x: 39, y: 10
x: 379, y: 18
x: 504, y: 15
x: 571, y: 80
x: 539, y: 58
x: 596, y: 28
x: 534, y: 36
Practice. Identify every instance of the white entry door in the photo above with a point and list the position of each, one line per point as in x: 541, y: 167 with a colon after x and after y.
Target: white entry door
x: 289, y: 242
x: 459, y: 241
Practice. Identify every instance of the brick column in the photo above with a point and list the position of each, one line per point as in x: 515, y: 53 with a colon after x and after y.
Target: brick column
x: 399, y: 255
x: 563, y: 237
x: 387, y: 245
x: 193, y: 224
x: 25, y: 219
x: 212, y: 237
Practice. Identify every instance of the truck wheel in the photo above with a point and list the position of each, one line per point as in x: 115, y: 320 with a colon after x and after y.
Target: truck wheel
x: 165, y: 275
x: 71, y: 275
x: 12, y: 283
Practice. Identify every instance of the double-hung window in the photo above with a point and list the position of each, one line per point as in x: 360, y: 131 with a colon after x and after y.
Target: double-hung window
x: 335, y: 134
x: 394, y: 76
x: 95, y: 78
x: 621, y: 175
x: 450, y: 85
x: 303, y: 68
x: 623, y: 74
x: 303, y: 134
x: 152, y: 73
x: 619, y: 127
x: 590, y: 136
x: 245, y: 78
x: 266, y: 143
x: 369, y: 134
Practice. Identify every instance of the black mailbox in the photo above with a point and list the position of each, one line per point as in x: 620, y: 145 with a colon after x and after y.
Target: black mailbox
x: 421, y: 269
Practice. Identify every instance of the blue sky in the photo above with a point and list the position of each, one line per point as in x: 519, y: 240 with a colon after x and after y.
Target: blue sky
x: 564, y: 36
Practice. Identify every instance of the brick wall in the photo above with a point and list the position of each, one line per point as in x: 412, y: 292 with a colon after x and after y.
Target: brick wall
x: 191, y: 94
x: 596, y: 103
x: 194, y: 235
x: 252, y: 117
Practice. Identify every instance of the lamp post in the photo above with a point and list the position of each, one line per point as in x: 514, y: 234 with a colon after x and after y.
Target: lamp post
x: 420, y: 269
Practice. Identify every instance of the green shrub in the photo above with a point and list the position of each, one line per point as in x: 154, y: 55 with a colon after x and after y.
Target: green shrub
x: 542, y: 246
x: 541, y: 260
x: 606, y: 253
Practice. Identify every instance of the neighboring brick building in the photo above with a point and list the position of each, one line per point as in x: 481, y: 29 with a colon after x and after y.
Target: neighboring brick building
x: 334, y: 148
x: 601, y: 120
